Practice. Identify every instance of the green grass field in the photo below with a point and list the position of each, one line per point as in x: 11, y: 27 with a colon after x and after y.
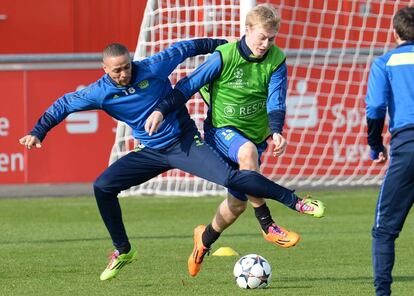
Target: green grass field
x: 58, y: 246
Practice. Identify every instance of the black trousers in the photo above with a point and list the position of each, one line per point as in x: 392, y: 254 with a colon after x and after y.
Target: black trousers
x: 395, y: 200
x: 189, y: 154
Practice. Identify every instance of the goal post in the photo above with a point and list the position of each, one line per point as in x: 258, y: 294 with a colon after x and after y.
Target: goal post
x: 329, y: 46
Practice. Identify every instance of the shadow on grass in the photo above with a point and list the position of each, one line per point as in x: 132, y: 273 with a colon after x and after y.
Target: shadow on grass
x: 292, y: 283
x: 403, y: 279
x: 285, y: 284
x: 158, y: 237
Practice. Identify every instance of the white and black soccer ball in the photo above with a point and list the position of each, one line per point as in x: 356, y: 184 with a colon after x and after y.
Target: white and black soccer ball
x: 252, y: 271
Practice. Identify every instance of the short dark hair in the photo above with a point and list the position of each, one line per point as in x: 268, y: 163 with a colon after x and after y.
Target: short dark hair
x: 115, y: 50
x: 403, y: 23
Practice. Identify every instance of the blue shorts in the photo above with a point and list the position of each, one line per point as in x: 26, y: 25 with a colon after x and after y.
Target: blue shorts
x: 227, y: 141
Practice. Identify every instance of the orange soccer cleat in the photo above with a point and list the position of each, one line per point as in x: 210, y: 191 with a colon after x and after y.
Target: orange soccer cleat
x: 199, y: 251
x: 281, y: 237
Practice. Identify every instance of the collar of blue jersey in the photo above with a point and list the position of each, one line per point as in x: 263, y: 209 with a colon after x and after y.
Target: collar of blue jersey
x: 246, y: 53
x: 408, y: 42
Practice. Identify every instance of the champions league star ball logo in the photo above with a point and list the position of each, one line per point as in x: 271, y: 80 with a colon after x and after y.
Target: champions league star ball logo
x: 238, y: 73
x: 252, y: 271
x: 237, y: 81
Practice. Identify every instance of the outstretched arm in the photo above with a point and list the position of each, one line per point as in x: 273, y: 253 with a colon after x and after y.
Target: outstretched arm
x: 58, y: 111
x: 184, y: 90
x: 164, y: 62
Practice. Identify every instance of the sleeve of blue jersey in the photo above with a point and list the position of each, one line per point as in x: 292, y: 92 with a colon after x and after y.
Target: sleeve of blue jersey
x: 378, y: 90
x: 276, y: 100
x: 202, y: 75
x: 163, y: 63
x: 62, y: 107
x: 188, y: 86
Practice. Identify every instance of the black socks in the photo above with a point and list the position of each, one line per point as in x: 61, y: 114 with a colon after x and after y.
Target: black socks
x: 209, y: 236
x: 262, y: 214
x: 264, y: 217
x: 124, y: 249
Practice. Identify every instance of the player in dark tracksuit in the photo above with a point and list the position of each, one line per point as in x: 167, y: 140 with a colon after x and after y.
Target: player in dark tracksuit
x: 391, y: 86
x: 130, y: 91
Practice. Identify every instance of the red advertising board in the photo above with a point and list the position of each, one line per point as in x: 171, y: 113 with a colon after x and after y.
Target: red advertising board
x: 68, y: 26
x: 76, y: 150
x: 12, y: 121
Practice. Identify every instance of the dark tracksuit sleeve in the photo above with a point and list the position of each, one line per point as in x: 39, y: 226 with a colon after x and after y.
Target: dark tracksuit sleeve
x: 45, y: 123
x: 163, y: 63
x: 61, y: 108
x: 276, y: 101
x: 189, y: 85
x: 375, y: 127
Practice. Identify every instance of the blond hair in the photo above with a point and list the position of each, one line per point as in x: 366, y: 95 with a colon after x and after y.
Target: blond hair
x: 265, y: 15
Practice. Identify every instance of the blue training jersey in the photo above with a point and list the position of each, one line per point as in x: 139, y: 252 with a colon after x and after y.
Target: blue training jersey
x: 391, y: 85
x: 133, y: 103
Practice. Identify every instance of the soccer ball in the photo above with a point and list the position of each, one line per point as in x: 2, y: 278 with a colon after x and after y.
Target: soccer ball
x: 252, y: 271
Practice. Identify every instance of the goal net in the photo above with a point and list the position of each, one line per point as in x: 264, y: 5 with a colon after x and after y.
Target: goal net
x: 329, y: 47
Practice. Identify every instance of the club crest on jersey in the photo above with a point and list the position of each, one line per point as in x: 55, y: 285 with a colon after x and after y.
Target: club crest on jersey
x: 139, y: 147
x: 198, y: 141
x: 229, y: 136
x: 143, y: 84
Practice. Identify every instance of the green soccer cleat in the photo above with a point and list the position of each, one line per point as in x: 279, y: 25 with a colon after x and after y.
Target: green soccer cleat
x: 311, y: 207
x: 117, y: 261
